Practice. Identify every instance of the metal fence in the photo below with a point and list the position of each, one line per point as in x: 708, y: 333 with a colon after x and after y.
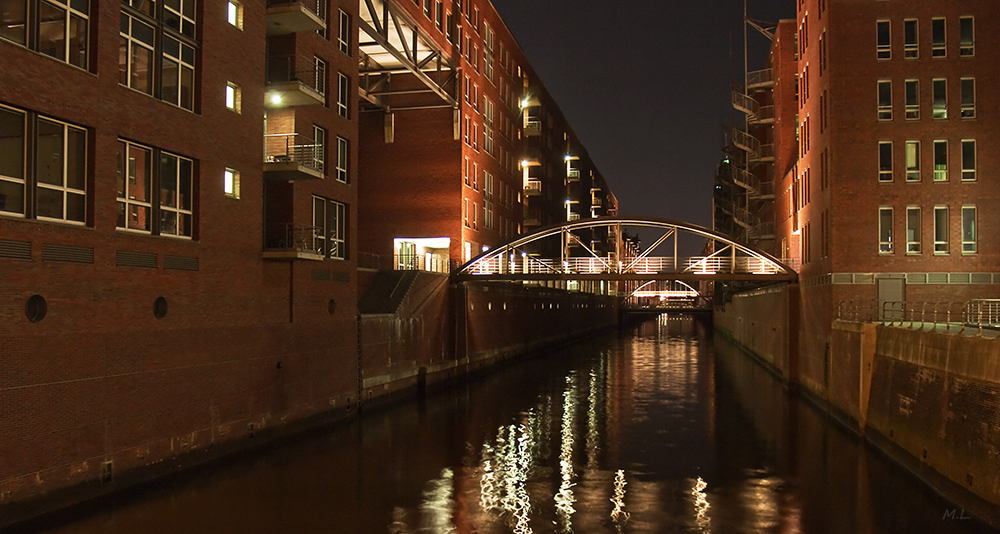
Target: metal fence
x: 976, y: 313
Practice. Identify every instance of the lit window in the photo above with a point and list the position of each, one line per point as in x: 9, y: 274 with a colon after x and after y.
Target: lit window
x: 938, y: 43
x: 940, y: 161
x: 231, y: 183
x: 885, y: 161
x: 910, y: 48
x: 885, y: 100
x: 885, y: 230
x: 967, y: 37
x: 912, y: 97
x: 968, y: 160
x: 913, y: 230
x: 343, y: 95
x: 343, y: 155
x: 883, y: 48
x: 968, y: 229
x: 968, y: 87
x: 940, y: 98
x: 913, y: 161
x: 234, y: 14
x: 233, y: 97
x: 940, y: 229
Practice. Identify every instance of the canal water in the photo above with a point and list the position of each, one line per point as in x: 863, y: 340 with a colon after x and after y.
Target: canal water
x: 658, y: 429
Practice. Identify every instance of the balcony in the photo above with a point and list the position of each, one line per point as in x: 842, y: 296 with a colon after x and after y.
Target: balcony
x: 765, y: 154
x: 292, y: 242
x: 573, y: 175
x: 293, y: 16
x: 764, y: 115
x: 532, y: 188
x: 292, y: 157
x: 294, y: 81
x: 532, y: 127
x: 760, y: 79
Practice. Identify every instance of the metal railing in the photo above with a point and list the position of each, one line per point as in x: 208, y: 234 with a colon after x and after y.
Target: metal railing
x: 420, y: 262
x: 593, y: 265
x: 533, y: 187
x: 292, y: 68
x: 368, y: 260
x: 746, y: 142
x: 532, y: 127
x: 295, y: 237
x: 293, y: 148
x: 975, y: 314
x: 760, y: 78
x: 311, y: 5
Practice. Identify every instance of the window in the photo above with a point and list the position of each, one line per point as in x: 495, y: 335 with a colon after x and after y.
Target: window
x: 343, y: 96
x: 913, y: 161
x: 439, y: 16
x: 467, y: 128
x: 968, y: 229
x: 885, y: 230
x: 910, y: 48
x: 449, y: 27
x: 885, y: 161
x: 343, y: 154
x: 321, y: 11
x: 883, y: 49
x: 913, y: 230
x: 940, y: 99
x: 465, y: 212
x: 940, y: 229
x: 155, y: 190
x: 59, y: 30
x: 968, y: 160
x: 968, y: 89
x: 231, y: 183
x: 429, y: 8
x: 234, y: 13
x: 319, y: 149
x: 58, y: 178
x: 940, y: 161
x: 167, y: 43
x: 475, y: 216
x: 822, y: 53
x: 344, y: 35
x: 233, y: 97
x: 330, y: 222
x: 465, y: 172
x: 319, y: 76
x: 938, y: 48
x: 966, y: 37
x: 884, y: 100
x: 912, y: 99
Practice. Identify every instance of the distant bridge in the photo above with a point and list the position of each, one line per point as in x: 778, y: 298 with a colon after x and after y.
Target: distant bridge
x: 518, y: 261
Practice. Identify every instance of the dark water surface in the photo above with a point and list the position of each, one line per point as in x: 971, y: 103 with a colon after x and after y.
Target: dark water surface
x: 660, y: 429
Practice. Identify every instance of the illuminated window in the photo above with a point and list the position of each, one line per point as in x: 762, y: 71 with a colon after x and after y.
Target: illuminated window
x: 885, y: 230
x: 938, y: 42
x: 231, y: 183
x: 940, y: 161
x: 233, y: 97
x: 884, y: 47
x: 913, y: 230
x: 234, y: 13
x: 913, y: 161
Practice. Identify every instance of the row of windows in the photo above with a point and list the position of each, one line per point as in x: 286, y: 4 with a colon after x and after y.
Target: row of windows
x: 938, y: 157
x: 939, y: 99
x: 939, y: 38
x: 913, y: 222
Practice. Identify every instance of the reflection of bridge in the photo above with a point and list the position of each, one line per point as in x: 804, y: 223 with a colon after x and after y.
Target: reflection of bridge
x: 578, y: 259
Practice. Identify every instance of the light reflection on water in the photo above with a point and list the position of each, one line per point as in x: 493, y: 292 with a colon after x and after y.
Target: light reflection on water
x: 658, y: 430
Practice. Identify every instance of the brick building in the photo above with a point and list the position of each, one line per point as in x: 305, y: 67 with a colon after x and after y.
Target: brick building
x: 179, y: 274
x: 883, y: 198
x: 461, y: 146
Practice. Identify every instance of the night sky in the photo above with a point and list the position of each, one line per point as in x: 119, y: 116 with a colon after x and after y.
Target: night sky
x: 645, y: 86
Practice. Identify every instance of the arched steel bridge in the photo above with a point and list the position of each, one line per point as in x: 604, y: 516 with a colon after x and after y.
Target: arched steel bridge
x: 728, y: 261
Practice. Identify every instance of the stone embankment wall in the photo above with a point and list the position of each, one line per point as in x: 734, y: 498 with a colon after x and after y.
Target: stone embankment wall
x: 929, y: 399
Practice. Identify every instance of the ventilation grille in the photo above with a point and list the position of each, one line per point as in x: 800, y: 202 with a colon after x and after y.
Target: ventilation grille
x: 320, y: 274
x: 15, y: 250
x: 180, y: 263
x: 937, y: 278
x: 124, y: 258
x: 67, y: 253
x: 982, y: 278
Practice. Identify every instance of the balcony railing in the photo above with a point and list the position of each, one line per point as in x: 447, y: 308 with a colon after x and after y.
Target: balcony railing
x: 573, y: 174
x: 420, y: 262
x: 533, y: 187
x: 294, y: 68
x: 532, y: 127
x: 760, y: 79
x: 292, y: 241
x: 293, y: 148
x: 292, y: 16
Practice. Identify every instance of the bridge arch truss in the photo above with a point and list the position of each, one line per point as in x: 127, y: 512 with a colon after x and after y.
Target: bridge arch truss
x: 578, y: 259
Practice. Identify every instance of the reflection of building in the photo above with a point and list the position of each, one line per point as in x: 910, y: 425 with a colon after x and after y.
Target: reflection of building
x: 461, y: 147
x: 880, y: 193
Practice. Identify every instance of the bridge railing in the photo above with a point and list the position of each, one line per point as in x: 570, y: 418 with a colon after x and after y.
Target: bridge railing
x: 593, y: 265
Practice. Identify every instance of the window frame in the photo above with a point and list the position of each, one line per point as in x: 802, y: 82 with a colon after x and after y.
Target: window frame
x: 885, y: 241
x: 331, y: 234
x: 967, y: 97
x: 911, y: 48
x: 343, y: 159
x: 883, y: 47
x: 940, y: 230
x: 885, y: 172
x: 343, y: 95
x: 939, y: 48
x: 969, y: 229
x: 912, y: 160
x: 911, y: 106
x: 969, y: 168
x: 157, y: 183
x: 913, y: 229
x: 940, y: 160
x: 63, y: 189
x: 231, y: 183
x: 884, y: 96
x: 967, y: 48
x: 234, y: 98
x: 344, y: 32
x: 234, y: 14
x: 939, y: 98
